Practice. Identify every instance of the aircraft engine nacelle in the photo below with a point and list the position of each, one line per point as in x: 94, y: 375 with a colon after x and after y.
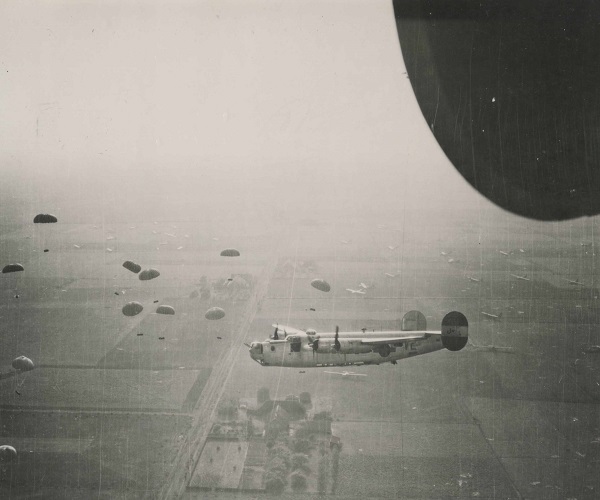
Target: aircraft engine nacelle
x: 455, y: 331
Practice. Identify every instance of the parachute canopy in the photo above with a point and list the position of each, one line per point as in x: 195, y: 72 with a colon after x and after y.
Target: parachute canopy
x: 12, y: 268
x: 215, y: 313
x: 132, y: 266
x: 149, y: 274
x: 165, y: 310
x: 320, y: 285
x: 44, y: 219
x: 132, y: 308
x: 230, y: 252
x: 7, y: 453
x: 22, y: 363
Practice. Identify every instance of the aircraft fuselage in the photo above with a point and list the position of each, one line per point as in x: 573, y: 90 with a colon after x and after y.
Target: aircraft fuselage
x: 294, y: 354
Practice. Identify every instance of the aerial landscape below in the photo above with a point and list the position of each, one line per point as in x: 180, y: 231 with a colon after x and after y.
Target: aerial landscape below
x: 236, y: 264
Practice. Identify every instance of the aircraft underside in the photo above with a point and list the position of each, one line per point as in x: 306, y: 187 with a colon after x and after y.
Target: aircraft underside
x: 385, y: 354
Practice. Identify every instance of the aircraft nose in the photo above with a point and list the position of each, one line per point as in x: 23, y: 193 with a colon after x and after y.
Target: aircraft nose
x: 253, y: 350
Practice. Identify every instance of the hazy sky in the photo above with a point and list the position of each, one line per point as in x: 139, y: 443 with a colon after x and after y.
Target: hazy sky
x: 302, y: 97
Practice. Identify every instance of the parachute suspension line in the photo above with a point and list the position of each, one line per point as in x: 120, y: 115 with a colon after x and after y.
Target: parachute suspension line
x: 20, y: 384
x: 18, y: 315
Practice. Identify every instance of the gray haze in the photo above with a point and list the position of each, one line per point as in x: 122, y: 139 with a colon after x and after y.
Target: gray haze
x: 164, y: 133
x: 236, y: 102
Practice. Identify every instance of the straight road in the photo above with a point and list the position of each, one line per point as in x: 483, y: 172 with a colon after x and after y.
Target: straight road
x: 187, y: 458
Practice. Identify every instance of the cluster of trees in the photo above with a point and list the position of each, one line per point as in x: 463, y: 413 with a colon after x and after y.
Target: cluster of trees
x: 323, y: 415
x: 323, y: 477
x: 275, y: 427
x: 277, y: 469
x: 234, y: 428
x: 285, y: 461
x: 298, y: 481
x: 272, y: 431
x: 300, y: 469
x: 262, y: 396
x: 249, y: 427
x: 302, y: 445
x: 289, y: 460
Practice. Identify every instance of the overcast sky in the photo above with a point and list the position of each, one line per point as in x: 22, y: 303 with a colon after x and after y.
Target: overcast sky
x: 301, y: 98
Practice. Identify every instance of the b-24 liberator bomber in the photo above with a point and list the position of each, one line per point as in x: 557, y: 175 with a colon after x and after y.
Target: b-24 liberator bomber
x: 292, y: 347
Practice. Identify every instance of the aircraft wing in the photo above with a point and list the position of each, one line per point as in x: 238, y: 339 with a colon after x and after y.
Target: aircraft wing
x: 397, y: 340
x: 289, y: 330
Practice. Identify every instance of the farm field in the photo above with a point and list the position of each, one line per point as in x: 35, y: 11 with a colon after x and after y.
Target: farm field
x: 447, y: 424
x: 186, y: 185
x: 401, y: 427
x: 110, y: 403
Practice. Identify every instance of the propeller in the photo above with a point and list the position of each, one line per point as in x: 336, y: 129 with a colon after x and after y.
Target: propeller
x: 247, y: 345
x: 315, y: 345
x: 336, y: 343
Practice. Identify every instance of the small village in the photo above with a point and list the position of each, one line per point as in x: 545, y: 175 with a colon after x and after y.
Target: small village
x: 272, y: 446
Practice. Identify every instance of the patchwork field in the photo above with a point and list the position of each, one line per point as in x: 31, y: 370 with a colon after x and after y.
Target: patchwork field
x: 221, y: 464
x: 450, y: 424
x: 514, y: 413
x: 123, y: 453
x: 110, y: 403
